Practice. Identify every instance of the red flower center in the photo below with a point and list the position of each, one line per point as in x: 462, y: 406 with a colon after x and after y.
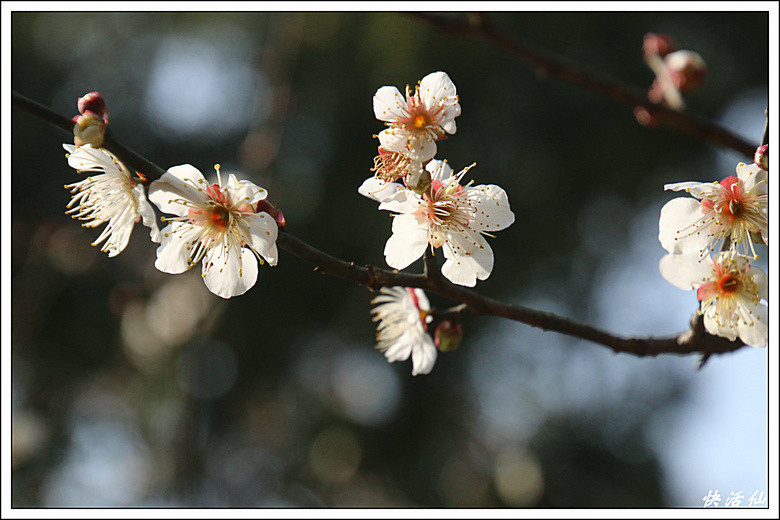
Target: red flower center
x: 728, y: 284
x: 730, y: 199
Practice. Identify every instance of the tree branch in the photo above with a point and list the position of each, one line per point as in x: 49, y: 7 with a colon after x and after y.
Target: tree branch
x: 696, y: 340
x: 150, y: 170
x: 549, y: 65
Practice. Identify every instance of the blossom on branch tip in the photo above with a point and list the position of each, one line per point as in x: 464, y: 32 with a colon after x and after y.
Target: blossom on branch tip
x: 447, y: 215
x: 730, y: 292
x: 215, y: 224
x: 403, y: 315
x: 417, y: 122
x: 113, y: 198
x: 728, y: 210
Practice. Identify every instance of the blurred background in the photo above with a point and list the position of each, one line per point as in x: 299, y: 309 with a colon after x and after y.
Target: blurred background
x: 135, y: 388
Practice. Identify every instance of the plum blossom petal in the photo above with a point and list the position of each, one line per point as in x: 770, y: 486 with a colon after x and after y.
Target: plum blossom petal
x: 694, y: 239
x: 469, y: 257
x: 378, y: 189
x: 389, y: 104
x: 263, y: 232
x: 182, y: 182
x: 229, y: 270
x: 681, y: 186
x: 685, y: 271
x: 407, y: 243
x: 173, y: 255
x: 393, y: 141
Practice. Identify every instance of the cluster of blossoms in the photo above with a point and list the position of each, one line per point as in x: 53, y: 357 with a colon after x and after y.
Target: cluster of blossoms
x: 432, y: 208
x: 677, y: 74
x: 227, y: 227
x: 710, y: 240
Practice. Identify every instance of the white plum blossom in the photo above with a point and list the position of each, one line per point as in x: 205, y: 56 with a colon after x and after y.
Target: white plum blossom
x: 730, y: 291
x: 732, y: 209
x: 216, y: 224
x: 447, y: 215
x: 113, y: 197
x: 417, y: 122
x: 403, y: 315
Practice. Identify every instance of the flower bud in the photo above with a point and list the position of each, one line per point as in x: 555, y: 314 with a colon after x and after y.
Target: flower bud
x: 268, y: 207
x: 686, y: 69
x: 418, y: 178
x: 448, y: 335
x: 657, y: 45
x: 94, y: 102
x: 761, y: 157
x: 89, y: 128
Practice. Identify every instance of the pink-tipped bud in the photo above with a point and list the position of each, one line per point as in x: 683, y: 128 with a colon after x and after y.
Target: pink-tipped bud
x: 265, y: 206
x: 657, y: 45
x: 94, y: 102
x: 448, y: 335
x: 686, y: 69
x: 89, y: 128
x: 761, y: 158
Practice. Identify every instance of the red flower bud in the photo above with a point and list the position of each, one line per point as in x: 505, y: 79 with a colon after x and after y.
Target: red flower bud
x: 761, y: 158
x: 268, y: 207
x: 94, y: 102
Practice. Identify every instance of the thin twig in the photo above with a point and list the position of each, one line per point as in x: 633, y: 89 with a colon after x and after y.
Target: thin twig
x: 765, y: 137
x: 548, y: 64
x: 696, y: 340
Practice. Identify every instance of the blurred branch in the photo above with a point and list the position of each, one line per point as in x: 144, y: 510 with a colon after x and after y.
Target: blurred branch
x: 549, y: 65
x: 695, y: 340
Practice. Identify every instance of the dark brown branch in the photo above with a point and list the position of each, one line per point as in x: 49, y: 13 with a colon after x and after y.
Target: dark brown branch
x: 150, y: 170
x: 689, y: 342
x: 550, y: 65
x: 693, y: 341
x: 373, y: 278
